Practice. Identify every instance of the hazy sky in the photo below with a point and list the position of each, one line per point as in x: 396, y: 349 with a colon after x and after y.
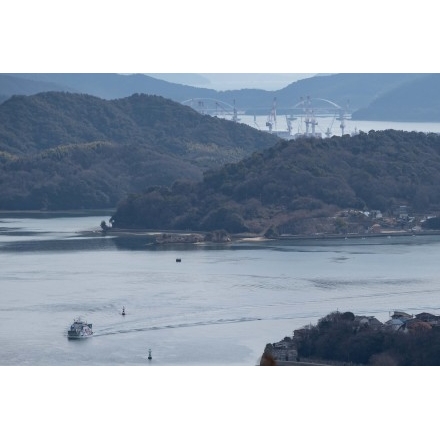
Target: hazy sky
x: 234, y: 81
x: 265, y: 81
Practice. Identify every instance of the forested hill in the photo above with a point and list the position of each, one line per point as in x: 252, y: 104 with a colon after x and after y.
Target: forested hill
x: 29, y: 124
x: 294, y: 185
x: 67, y: 151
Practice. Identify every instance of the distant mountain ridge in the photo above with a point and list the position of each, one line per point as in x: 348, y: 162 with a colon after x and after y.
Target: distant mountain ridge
x: 357, y: 90
x: 109, y: 85
x: 25, y: 85
x: 416, y: 101
x: 233, y: 81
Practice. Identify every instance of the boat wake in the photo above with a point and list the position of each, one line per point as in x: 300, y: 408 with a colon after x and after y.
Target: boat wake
x: 172, y: 326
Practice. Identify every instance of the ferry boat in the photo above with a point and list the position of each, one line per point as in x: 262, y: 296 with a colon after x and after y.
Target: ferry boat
x: 79, y: 329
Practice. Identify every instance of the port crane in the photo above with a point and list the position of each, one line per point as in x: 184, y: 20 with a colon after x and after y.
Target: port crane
x: 323, y: 108
x: 213, y: 107
x: 272, y: 117
x: 306, y: 113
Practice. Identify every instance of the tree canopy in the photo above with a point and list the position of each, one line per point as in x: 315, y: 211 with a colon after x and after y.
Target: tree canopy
x: 70, y: 151
x: 336, y: 338
x: 295, y: 181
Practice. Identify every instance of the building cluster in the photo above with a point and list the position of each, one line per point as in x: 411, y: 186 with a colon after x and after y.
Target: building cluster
x: 286, y: 350
x: 404, y: 322
x: 399, y: 219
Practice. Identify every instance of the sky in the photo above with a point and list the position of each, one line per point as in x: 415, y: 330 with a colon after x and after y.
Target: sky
x: 223, y: 37
x: 234, y: 81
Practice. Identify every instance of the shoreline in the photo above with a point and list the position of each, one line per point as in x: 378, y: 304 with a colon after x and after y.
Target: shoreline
x: 240, y: 237
x: 179, y: 236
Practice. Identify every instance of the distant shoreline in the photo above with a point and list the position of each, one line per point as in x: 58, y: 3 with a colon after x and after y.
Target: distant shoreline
x: 240, y: 237
x: 384, y: 234
x: 254, y: 238
x: 60, y: 213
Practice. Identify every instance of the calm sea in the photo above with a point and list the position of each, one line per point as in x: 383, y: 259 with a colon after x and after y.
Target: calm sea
x: 332, y: 125
x: 219, y: 306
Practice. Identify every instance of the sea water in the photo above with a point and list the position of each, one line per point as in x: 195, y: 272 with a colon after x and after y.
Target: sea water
x: 219, y: 306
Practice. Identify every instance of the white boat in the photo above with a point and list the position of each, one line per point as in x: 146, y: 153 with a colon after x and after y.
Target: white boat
x: 79, y: 329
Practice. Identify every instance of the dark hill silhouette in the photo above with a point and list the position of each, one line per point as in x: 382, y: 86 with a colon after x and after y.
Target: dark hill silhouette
x: 102, y: 85
x: 357, y: 89
x: 15, y: 85
x: 65, y: 151
x: 293, y: 186
x: 418, y: 100
x: 47, y: 120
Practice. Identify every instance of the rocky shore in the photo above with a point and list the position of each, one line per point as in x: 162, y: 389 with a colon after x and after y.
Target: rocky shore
x: 176, y: 238
x: 389, y: 228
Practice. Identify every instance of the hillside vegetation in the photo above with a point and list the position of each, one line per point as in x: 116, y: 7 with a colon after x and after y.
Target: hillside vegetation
x: 62, y: 150
x: 293, y: 186
x: 338, y: 337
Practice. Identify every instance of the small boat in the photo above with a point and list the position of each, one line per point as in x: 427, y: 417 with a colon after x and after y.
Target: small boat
x: 79, y: 329
x: 123, y: 311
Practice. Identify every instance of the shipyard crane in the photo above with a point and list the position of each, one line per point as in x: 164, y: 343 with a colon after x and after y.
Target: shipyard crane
x: 255, y: 122
x: 323, y: 108
x: 213, y: 107
x: 342, y: 118
x: 310, y: 118
x: 235, y: 117
x: 272, y: 117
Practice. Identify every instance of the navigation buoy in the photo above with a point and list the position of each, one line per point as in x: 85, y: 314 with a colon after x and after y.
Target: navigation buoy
x: 123, y: 311
x: 149, y: 354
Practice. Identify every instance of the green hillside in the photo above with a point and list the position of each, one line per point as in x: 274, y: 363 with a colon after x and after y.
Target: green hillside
x: 294, y: 185
x: 66, y: 151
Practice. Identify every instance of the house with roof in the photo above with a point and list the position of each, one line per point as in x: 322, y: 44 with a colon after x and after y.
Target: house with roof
x: 401, y: 321
x: 397, y: 314
x: 367, y: 321
x: 429, y: 318
x: 395, y: 324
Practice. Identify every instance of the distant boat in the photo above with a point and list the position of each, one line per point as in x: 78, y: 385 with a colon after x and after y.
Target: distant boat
x: 79, y: 329
x: 178, y: 260
x: 123, y: 311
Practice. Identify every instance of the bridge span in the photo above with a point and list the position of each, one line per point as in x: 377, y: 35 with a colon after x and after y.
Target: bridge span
x: 313, y: 117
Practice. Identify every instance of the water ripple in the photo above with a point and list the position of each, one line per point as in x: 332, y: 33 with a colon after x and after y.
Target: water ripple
x: 172, y: 326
